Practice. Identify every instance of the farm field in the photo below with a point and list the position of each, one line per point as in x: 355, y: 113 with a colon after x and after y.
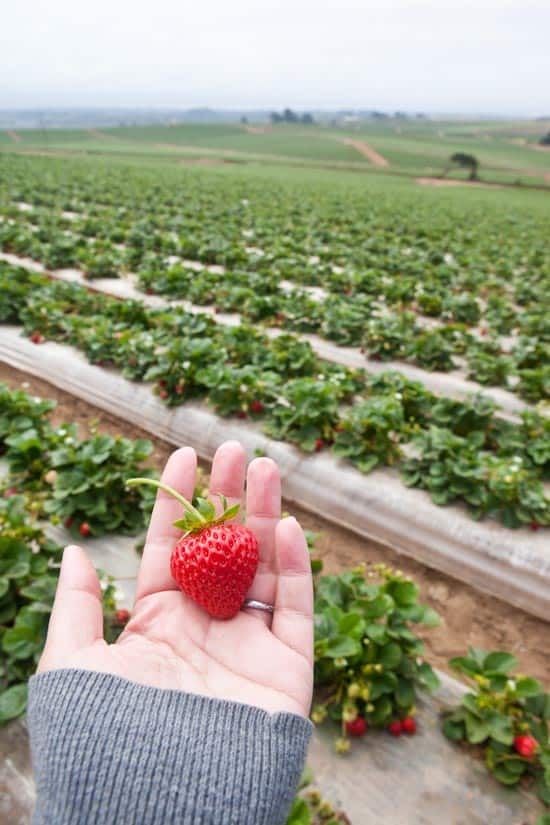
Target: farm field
x: 508, y: 152
x: 387, y: 343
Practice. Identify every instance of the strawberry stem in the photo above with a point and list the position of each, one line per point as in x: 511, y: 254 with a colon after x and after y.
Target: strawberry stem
x: 133, y: 482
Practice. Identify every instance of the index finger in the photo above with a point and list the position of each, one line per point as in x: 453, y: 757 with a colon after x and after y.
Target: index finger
x: 154, y: 572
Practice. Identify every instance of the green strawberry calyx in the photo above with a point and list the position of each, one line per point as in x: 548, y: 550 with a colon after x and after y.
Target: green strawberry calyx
x: 196, y: 517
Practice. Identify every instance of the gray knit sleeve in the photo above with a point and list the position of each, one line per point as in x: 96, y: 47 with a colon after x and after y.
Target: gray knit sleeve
x: 107, y: 751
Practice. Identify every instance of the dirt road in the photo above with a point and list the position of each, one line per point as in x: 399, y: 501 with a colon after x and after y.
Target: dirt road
x: 367, y: 151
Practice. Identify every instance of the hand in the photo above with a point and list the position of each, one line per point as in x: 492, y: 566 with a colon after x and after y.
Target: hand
x: 170, y: 642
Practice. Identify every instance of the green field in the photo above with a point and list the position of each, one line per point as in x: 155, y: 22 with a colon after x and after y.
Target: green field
x: 506, y: 151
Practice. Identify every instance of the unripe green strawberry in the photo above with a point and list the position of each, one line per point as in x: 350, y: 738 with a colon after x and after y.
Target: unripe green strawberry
x: 215, y: 560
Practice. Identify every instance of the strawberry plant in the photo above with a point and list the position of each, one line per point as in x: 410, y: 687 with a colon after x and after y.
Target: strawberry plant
x: 486, y: 365
x: 77, y: 480
x: 432, y: 351
x: 306, y: 413
x: 240, y: 390
x: 390, y: 337
x: 506, y: 718
x: 29, y: 567
x: 367, y: 659
x: 452, y: 468
x: 88, y: 484
x: 370, y: 433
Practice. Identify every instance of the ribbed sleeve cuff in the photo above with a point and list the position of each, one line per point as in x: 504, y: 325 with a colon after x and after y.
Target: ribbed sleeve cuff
x: 107, y: 750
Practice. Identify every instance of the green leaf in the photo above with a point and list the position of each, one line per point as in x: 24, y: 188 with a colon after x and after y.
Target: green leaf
x: 507, y: 777
x: 299, y: 813
x: 454, y: 730
x: 477, y: 730
x: 13, y: 702
x: 390, y: 655
x: 404, y: 593
x: 342, y: 647
x: 404, y: 693
x: 500, y: 662
x: 528, y: 687
x: 377, y: 632
x: 500, y: 728
x: 428, y: 677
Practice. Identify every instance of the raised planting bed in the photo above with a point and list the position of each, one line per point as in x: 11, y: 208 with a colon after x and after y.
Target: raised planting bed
x: 513, y: 565
x: 421, y: 780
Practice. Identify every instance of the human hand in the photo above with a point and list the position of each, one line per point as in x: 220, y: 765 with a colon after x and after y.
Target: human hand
x: 170, y: 642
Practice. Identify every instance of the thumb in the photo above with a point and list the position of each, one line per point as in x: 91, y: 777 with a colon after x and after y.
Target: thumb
x: 77, y: 615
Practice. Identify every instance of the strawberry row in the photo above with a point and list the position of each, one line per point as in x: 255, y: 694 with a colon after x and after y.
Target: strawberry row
x: 176, y: 225
x: 355, y: 319
x: 456, y: 450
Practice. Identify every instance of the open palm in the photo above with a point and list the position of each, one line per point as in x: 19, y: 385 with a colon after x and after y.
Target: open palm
x: 170, y: 642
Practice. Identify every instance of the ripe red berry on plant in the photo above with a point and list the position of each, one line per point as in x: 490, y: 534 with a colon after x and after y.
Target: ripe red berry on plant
x: 408, y: 725
x: 395, y: 728
x: 525, y: 745
x: 84, y: 529
x: 358, y: 727
x: 215, y: 560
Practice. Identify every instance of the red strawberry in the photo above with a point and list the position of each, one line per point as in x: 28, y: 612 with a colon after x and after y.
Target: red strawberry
x: 37, y: 338
x: 534, y: 526
x: 319, y: 444
x: 215, y: 561
x: 11, y: 491
x: 68, y: 522
x: 408, y: 725
x: 163, y: 394
x: 395, y: 728
x: 358, y: 727
x: 84, y: 529
x: 525, y: 745
x: 256, y: 406
x: 242, y: 414
x: 122, y: 616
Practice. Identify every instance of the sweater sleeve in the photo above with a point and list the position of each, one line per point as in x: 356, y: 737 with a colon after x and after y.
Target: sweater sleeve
x: 107, y: 750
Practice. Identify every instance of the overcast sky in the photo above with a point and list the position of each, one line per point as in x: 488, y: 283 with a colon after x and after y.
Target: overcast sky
x: 438, y: 55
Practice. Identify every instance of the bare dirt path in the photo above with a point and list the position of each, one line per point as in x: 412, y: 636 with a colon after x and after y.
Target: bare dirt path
x: 367, y: 151
x: 451, y: 182
x: 13, y: 135
x: 469, y: 617
x: 257, y: 130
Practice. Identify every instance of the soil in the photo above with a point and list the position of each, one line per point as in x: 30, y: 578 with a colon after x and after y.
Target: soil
x: 469, y: 617
x: 450, y: 182
x: 257, y: 130
x: 367, y: 151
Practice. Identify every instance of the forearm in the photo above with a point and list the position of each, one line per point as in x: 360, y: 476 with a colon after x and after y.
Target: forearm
x: 112, y: 751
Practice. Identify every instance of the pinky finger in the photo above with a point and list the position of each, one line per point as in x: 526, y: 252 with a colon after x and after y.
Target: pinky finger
x: 293, y: 614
